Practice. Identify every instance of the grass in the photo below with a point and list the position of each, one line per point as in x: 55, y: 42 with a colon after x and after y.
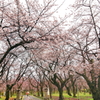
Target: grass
x: 84, y: 96
x: 2, y: 98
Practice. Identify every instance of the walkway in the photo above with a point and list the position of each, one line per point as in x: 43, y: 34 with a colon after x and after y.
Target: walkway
x: 25, y: 97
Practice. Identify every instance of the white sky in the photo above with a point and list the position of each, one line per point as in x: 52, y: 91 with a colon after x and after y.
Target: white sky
x: 64, y: 4
x: 64, y: 8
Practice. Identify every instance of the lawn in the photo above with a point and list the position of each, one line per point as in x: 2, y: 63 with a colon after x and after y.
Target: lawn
x: 2, y: 98
x: 80, y: 96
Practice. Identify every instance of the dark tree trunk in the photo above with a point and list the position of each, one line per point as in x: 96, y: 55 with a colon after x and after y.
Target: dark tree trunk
x: 96, y: 95
x: 68, y: 90
x: 74, y: 90
x: 60, y: 93
x: 38, y: 92
x: 7, y: 92
x: 93, y: 84
x: 73, y: 85
x: 8, y: 89
x: 95, y: 88
x: 95, y: 91
x: 99, y: 41
x: 7, y: 95
x: 41, y: 90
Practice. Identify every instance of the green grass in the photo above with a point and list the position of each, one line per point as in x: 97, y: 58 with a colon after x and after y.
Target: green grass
x: 2, y: 98
x: 85, y: 96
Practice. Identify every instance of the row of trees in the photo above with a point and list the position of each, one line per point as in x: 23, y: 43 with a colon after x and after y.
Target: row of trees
x: 35, y: 45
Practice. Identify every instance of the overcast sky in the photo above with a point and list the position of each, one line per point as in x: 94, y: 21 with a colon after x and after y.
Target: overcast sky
x: 65, y: 5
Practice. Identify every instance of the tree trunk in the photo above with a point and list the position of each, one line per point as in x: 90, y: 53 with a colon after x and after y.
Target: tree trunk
x: 99, y: 41
x: 50, y: 90
x: 60, y: 93
x: 68, y: 90
x: 7, y: 95
x: 96, y: 95
x: 73, y: 85
x: 74, y: 90
x: 18, y: 95
x: 41, y: 90
x: 38, y: 92
x: 95, y: 88
x: 7, y: 92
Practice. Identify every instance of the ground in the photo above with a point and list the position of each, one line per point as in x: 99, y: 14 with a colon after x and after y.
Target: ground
x: 85, y: 98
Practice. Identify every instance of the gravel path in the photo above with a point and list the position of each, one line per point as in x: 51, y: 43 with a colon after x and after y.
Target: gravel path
x: 25, y: 97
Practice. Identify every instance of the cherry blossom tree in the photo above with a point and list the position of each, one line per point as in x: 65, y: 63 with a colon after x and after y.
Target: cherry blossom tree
x: 24, y: 27
x: 14, y: 73
x: 37, y: 80
x: 84, y: 38
x: 53, y: 65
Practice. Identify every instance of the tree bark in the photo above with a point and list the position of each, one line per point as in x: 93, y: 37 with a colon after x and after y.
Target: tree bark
x: 60, y: 93
x: 74, y: 90
x: 7, y: 92
x: 95, y: 89
x: 38, y: 92
x: 96, y: 96
x: 41, y: 90
x: 68, y: 90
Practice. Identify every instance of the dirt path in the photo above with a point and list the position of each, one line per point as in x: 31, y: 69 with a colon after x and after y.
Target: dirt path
x: 25, y: 97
